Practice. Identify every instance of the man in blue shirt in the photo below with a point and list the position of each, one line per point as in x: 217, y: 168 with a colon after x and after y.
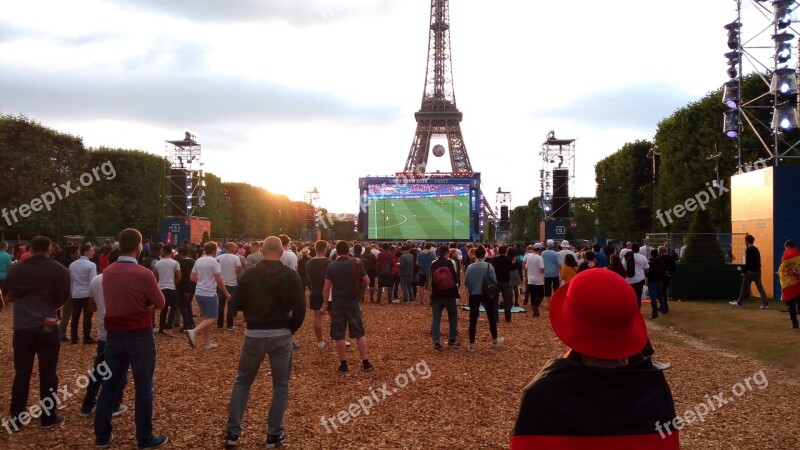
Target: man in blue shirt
x: 599, y: 256
x: 81, y: 271
x: 552, y: 267
x: 5, y: 262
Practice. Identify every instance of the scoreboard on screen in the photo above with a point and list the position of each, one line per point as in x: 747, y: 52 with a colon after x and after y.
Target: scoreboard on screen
x: 432, y: 207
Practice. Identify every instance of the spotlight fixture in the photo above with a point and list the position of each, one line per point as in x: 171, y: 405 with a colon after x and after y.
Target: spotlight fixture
x: 731, y: 123
x: 730, y: 94
x: 733, y: 34
x: 782, y: 13
x: 783, y: 48
x: 733, y: 58
x: 784, y: 117
x: 784, y: 81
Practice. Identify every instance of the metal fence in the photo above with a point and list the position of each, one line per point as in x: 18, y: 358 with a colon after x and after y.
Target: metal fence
x: 732, y: 244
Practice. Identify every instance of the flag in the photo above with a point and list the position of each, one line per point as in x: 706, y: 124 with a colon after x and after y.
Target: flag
x: 789, y: 274
x: 573, y: 406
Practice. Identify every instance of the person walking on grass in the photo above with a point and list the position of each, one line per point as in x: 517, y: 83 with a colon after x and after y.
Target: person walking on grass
x: 345, y: 281
x: 37, y: 287
x: 207, y: 273
x: 751, y: 274
x: 316, y: 268
x: 444, y: 292
x: 473, y: 278
x: 130, y: 292
x: 271, y: 297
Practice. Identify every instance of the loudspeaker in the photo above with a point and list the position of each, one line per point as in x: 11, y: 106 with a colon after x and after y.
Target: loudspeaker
x: 503, y: 213
x: 561, y: 194
x: 177, y: 197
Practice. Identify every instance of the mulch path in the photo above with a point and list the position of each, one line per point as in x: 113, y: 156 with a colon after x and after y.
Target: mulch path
x: 451, y: 398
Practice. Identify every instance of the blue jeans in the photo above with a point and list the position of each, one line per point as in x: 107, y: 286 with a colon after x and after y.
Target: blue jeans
x: 408, y: 290
x: 231, y: 309
x: 140, y: 353
x: 90, y: 400
x: 254, y: 350
x: 452, y: 317
x: 658, y: 300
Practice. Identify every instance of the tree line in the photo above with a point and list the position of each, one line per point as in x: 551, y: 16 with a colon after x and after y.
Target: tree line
x: 36, y: 160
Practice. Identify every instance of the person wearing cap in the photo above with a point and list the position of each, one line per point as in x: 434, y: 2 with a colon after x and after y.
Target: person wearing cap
x: 552, y: 269
x: 597, y: 396
x: 533, y: 266
x: 565, y: 250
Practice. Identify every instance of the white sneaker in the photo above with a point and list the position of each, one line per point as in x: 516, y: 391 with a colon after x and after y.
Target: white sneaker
x: 662, y: 365
x: 764, y: 306
x: 321, y: 344
x: 121, y: 410
x: 231, y: 328
x: 499, y: 342
x: 190, y: 336
x: 735, y: 303
x: 211, y: 346
x: 347, y: 343
x: 155, y: 329
x: 471, y: 348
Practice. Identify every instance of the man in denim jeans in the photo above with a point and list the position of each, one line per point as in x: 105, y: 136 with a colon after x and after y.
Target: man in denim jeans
x: 130, y: 292
x: 273, y: 302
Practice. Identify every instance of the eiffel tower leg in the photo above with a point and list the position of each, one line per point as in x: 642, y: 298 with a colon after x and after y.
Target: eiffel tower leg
x: 418, y: 155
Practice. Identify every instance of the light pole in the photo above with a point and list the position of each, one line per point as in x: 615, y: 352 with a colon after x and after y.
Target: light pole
x: 652, y: 155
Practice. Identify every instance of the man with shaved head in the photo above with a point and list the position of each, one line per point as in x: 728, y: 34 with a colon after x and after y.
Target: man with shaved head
x: 273, y: 302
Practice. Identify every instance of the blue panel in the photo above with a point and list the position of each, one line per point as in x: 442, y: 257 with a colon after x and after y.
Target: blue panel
x: 787, y: 213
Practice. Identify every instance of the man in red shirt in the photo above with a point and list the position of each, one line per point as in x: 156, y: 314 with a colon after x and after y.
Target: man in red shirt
x: 131, y: 292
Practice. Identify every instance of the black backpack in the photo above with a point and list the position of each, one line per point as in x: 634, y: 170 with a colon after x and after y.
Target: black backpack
x: 490, y: 287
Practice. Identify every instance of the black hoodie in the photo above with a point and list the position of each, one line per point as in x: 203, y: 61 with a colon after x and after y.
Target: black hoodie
x: 271, y: 297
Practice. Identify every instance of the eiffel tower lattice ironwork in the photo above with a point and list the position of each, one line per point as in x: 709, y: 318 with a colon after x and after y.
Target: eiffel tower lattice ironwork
x: 438, y: 116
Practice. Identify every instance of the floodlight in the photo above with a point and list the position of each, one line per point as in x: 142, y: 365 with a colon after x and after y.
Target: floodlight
x: 731, y: 124
x: 733, y: 34
x: 784, y: 81
x: 784, y: 117
x: 782, y: 13
x: 730, y: 95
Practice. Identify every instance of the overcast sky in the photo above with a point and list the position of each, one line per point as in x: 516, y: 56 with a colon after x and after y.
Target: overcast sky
x: 296, y: 94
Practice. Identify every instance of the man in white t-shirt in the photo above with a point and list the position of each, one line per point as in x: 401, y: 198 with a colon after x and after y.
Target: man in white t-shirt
x: 207, y: 273
x: 635, y: 277
x: 100, y: 370
x: 231, y: 266
x: 168, y: 274
x: 533, y: 264
x: 565, y: 250
x: 288, y: 258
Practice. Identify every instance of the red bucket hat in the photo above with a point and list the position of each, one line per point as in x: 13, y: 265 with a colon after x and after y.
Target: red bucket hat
x: 596, y: 315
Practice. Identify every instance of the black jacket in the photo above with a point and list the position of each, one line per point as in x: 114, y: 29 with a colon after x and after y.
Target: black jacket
x: 271, y: 297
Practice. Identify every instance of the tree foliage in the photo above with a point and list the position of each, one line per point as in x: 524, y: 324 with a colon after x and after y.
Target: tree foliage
x: 128, y: 192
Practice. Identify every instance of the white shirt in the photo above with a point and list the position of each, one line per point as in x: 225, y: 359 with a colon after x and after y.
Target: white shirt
x: 228, y: 264
x: 534, y: 265
x: 166, y: 267
x: 645, y: 251
x: 289, y: 259
x: 96, y: 292
x: 640, y: 263
x: 81, y: 273
x: 205, y: 268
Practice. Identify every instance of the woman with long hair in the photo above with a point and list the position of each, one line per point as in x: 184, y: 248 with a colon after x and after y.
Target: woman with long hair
x: 569, y: 269
x: 615, y: 265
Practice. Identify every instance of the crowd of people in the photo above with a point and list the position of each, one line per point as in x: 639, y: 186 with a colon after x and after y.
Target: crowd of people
x: 271, y: 282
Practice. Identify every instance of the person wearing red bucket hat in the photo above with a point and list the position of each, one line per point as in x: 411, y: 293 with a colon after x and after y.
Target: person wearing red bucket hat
x: 597, y: 396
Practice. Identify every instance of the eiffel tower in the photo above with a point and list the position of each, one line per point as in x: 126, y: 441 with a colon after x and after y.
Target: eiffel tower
x: 439, y: 116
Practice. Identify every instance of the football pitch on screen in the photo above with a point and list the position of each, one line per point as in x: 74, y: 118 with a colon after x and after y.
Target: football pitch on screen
x: 433, y: 218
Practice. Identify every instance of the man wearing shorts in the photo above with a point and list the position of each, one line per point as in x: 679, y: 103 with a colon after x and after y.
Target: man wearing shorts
x: 207, y: 273
x: 345, y: 280
x: 316, y: 268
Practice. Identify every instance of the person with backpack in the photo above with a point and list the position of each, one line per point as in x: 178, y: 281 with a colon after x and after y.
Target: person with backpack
x: 479, y: 275
x: 636, y: 266
x: 384, y: 267
x: 444, y: 292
